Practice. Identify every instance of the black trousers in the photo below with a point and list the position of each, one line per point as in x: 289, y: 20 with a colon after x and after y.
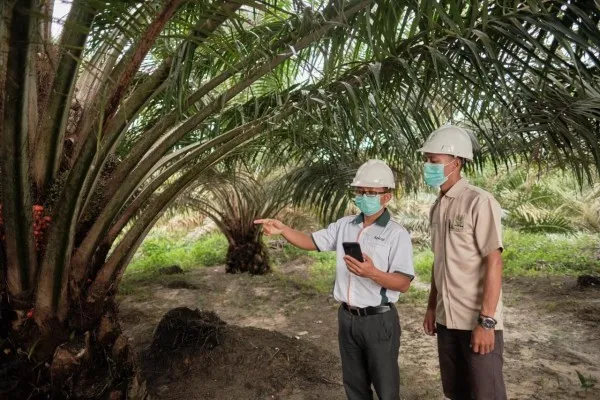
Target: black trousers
x: 369, y: 347
x: 465, y: 374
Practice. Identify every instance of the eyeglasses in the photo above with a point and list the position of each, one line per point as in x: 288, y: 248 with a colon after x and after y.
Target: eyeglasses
x: 368, y: 193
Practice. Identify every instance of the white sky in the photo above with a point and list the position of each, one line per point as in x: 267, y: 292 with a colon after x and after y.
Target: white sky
x: 61, y: 9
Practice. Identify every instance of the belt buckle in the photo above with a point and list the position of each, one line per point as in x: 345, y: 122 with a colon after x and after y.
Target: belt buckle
x: 359, y: 312
x: 353, y: 310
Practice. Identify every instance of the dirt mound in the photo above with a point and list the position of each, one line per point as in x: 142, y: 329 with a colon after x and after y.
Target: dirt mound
x: 585, y: 281
x: 172, y: 270
x: 247, y: 363
x: 183, y: 328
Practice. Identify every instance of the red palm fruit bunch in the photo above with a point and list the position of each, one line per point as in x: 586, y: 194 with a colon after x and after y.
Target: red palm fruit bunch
x: 40, y: 225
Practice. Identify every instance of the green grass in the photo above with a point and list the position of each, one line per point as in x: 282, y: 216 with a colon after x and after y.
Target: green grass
x: 414, y: 296
x: 535, y: 254
x: 210, y: 251
x: 526, y: 254
x: 321, y: 267
x: 163, y: 251
x: 288, y: 253
x: 322, y: 271
x: 422, y: 261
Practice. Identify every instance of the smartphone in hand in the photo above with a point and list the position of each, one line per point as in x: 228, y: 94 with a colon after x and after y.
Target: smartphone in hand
x: 353, y: 250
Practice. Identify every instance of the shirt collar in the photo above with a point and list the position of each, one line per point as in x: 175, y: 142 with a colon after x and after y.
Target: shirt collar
x: 457, y: 189
x: 382, y: 220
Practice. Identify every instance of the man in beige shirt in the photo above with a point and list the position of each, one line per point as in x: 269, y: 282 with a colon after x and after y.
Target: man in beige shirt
x: 465, y: 302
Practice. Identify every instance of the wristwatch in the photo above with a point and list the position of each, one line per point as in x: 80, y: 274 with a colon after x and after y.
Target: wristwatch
x: 487, y: 322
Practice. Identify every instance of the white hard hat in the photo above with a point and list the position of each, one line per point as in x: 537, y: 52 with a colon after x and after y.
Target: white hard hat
x: 374, y: 174
x: 450, y: 140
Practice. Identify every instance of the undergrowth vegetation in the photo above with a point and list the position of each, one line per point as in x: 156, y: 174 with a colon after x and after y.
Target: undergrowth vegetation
x: 552, y: 227
x: 525, y: 254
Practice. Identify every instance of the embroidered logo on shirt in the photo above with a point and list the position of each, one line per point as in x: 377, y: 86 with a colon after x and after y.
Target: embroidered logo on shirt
x: 458, y: 222
x: 380, y: 238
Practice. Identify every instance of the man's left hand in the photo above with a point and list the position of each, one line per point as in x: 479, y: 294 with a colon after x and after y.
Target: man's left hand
x: 364, y: 269
x: 482, y: 340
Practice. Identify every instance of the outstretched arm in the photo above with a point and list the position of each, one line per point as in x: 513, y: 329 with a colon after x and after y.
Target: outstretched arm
x: 296, y: 238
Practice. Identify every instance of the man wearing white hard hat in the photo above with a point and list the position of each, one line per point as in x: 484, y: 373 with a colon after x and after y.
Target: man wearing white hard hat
x: 465, y: 301
x: 368, y: 323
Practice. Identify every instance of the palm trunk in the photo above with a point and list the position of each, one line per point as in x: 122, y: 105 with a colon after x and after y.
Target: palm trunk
x: 94, y: 363
x: 17, y: 86
x: 49, y: 146
x: 247, y: 253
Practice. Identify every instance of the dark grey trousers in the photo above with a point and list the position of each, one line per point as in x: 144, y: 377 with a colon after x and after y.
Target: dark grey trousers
x: 369, y: 347
x: 467, y: 375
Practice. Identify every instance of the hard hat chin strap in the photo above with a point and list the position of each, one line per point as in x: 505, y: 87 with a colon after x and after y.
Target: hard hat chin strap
x: 455, y: 168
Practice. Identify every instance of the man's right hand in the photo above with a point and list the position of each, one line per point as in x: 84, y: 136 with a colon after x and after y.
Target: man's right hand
x: 429, y: 322
x: 271, y: 226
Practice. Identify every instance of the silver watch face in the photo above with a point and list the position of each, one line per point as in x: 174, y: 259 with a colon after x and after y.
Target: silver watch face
x: 488, y: 323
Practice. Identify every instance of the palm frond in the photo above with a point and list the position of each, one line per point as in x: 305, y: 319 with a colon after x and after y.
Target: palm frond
x: 234, y: 198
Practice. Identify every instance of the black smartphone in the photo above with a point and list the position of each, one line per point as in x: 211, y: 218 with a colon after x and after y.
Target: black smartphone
x: 353, y: 250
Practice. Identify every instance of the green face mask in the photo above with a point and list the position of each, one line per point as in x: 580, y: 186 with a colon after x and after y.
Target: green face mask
x: 434, y: 174
x: 368, y: 205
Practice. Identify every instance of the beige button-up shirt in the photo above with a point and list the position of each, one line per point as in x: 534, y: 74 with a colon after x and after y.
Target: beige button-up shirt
x: 465, y: 228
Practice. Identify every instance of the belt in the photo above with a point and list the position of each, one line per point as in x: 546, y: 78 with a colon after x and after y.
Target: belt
x: 361, y: 312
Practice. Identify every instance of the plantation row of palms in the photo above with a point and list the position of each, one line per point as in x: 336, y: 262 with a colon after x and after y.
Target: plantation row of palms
x: 533, y: 201
x: 140, y: 102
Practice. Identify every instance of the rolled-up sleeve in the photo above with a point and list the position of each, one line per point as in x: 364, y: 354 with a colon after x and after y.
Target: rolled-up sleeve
x: 326, y: 239
x: 487, y: 226
x: 401, y: 256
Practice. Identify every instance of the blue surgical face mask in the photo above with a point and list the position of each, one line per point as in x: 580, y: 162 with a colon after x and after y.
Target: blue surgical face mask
x: 434, y: 174
x: 368, y: 205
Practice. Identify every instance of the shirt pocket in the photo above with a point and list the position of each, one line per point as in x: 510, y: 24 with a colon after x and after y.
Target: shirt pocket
x: 459, y: 224
x: 460, y: 238
x: 379, y: 253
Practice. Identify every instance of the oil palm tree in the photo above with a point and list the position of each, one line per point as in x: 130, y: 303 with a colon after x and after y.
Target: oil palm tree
x: 233, y: 199
x: 104, y: 127
x: 545, y: 200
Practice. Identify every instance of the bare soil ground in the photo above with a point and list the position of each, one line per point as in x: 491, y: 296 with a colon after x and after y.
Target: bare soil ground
x: 281, y: 340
